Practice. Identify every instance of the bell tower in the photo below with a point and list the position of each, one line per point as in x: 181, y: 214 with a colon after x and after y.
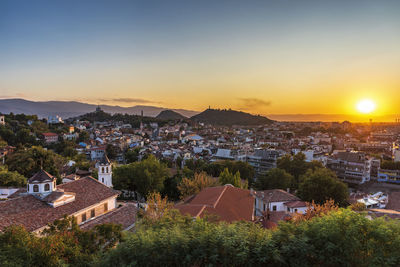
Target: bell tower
x: 105, y: 171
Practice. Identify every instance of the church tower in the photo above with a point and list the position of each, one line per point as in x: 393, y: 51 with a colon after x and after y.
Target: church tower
x: 105, y: 171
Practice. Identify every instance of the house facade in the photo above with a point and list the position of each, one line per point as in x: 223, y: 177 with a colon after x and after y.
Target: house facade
x: 277, y: 200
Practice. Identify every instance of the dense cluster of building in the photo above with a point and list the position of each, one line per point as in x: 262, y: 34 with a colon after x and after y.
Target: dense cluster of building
x: 353, y: 151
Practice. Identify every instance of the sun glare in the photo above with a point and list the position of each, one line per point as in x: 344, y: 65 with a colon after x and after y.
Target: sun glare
x: 366, y: 106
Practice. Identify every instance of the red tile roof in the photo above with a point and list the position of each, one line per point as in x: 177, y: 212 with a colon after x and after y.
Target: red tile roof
x: 275, y: 195
x: 124, y: 215
x: 295, y: 204
x: 33, y: 213
x: 227, y: 202
x: 49, y: 134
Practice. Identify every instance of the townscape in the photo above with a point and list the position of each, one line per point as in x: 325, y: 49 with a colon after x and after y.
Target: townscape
x: 98, y: 169
x: 199, y: 133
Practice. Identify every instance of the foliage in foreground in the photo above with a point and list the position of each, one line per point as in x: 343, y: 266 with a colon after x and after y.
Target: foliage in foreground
x: 62, y: 244
x: 340, y: 238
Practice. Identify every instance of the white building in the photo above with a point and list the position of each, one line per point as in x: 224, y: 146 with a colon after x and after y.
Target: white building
x: 43, y: 202
x: 278, y: 200
x: 105, y: 171
x: 54, y: 119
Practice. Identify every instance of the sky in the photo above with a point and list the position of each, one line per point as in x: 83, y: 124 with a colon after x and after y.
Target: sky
x: 262, y: 57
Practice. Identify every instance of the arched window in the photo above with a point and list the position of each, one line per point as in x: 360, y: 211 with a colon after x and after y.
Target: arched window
x: 107, y: 169
x: 35, y: 188
x: 47, y: 187
x: 102, y: 169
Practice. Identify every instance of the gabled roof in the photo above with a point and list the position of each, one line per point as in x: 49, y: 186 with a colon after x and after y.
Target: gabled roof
x: 49, y: 134
x: 33, y: 213
x: 296, y: 204
x: 124, y: 215
x: 41, y: 177
x: 275, y: 195
x: 227, y: 202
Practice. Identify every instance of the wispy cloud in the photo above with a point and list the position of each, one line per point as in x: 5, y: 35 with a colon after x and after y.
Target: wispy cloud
x: 129, y: 100
x: 253, y: 103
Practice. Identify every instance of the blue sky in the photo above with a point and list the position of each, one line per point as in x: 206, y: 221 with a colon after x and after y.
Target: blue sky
x: 192, y: 54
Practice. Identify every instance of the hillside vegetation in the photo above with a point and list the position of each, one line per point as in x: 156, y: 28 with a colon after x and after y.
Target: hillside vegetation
x: 228, y: 117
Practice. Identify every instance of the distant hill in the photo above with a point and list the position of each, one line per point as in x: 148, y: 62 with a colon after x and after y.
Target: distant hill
x: 229, y: 117
x: 170, y: 115
x: 68, y: 109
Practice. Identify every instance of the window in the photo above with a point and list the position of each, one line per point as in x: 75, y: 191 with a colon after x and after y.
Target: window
x: 295, y: 210
x: 288, y: 209
x: 264, y: 207
x: 105, y: 207
x: 107, y: 169
x: 102, y: 169
x: 35, y: 188
x: 54, y: 185
x: 83, y: 217
x: 92, y: 213
x: 102, y: 180
x: 274, y: 208
x: 47, y: 187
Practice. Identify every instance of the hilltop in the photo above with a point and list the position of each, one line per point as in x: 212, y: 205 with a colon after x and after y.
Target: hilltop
x: 229, y: 117
x: 170, y: 115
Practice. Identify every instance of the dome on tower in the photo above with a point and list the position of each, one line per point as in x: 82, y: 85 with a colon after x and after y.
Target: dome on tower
x: 41, y: 183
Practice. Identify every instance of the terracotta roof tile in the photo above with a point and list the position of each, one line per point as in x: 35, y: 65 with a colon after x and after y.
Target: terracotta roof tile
x: 124, y: 215
x: 295, y: 204
x: 228, y: 202
x: 275, y: 195
x: 33, y: 213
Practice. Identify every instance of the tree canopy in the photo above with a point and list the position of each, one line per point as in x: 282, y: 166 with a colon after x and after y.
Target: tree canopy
x: 275, y: 179
x: 188, y: 186
x: 320, y: 185
x: 226, y: 177
x: 29, y: 161
x: 11, y: 179
x: 338, y: 238
x: 142, y: 177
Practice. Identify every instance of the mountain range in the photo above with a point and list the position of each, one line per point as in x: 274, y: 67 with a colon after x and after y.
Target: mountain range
x: 170, y: 115
x: 68, y: 109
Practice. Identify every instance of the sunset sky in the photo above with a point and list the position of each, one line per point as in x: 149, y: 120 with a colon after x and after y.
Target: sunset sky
x: 264, y: 57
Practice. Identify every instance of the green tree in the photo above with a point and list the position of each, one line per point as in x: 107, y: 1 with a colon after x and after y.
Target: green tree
x: 338, y: 238
x: 11, y: 179
x: 143, y: 177
x: 112, y: 151
x: 321, y: 185
x: 275, y: 179
x: 28, y: 162
x: 226, y: 177
x: 297, y: 166
x: 192, y: 186
x: 132, y: 155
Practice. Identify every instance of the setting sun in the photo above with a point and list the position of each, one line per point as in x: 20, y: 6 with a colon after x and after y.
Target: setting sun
x: 366, y: 106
